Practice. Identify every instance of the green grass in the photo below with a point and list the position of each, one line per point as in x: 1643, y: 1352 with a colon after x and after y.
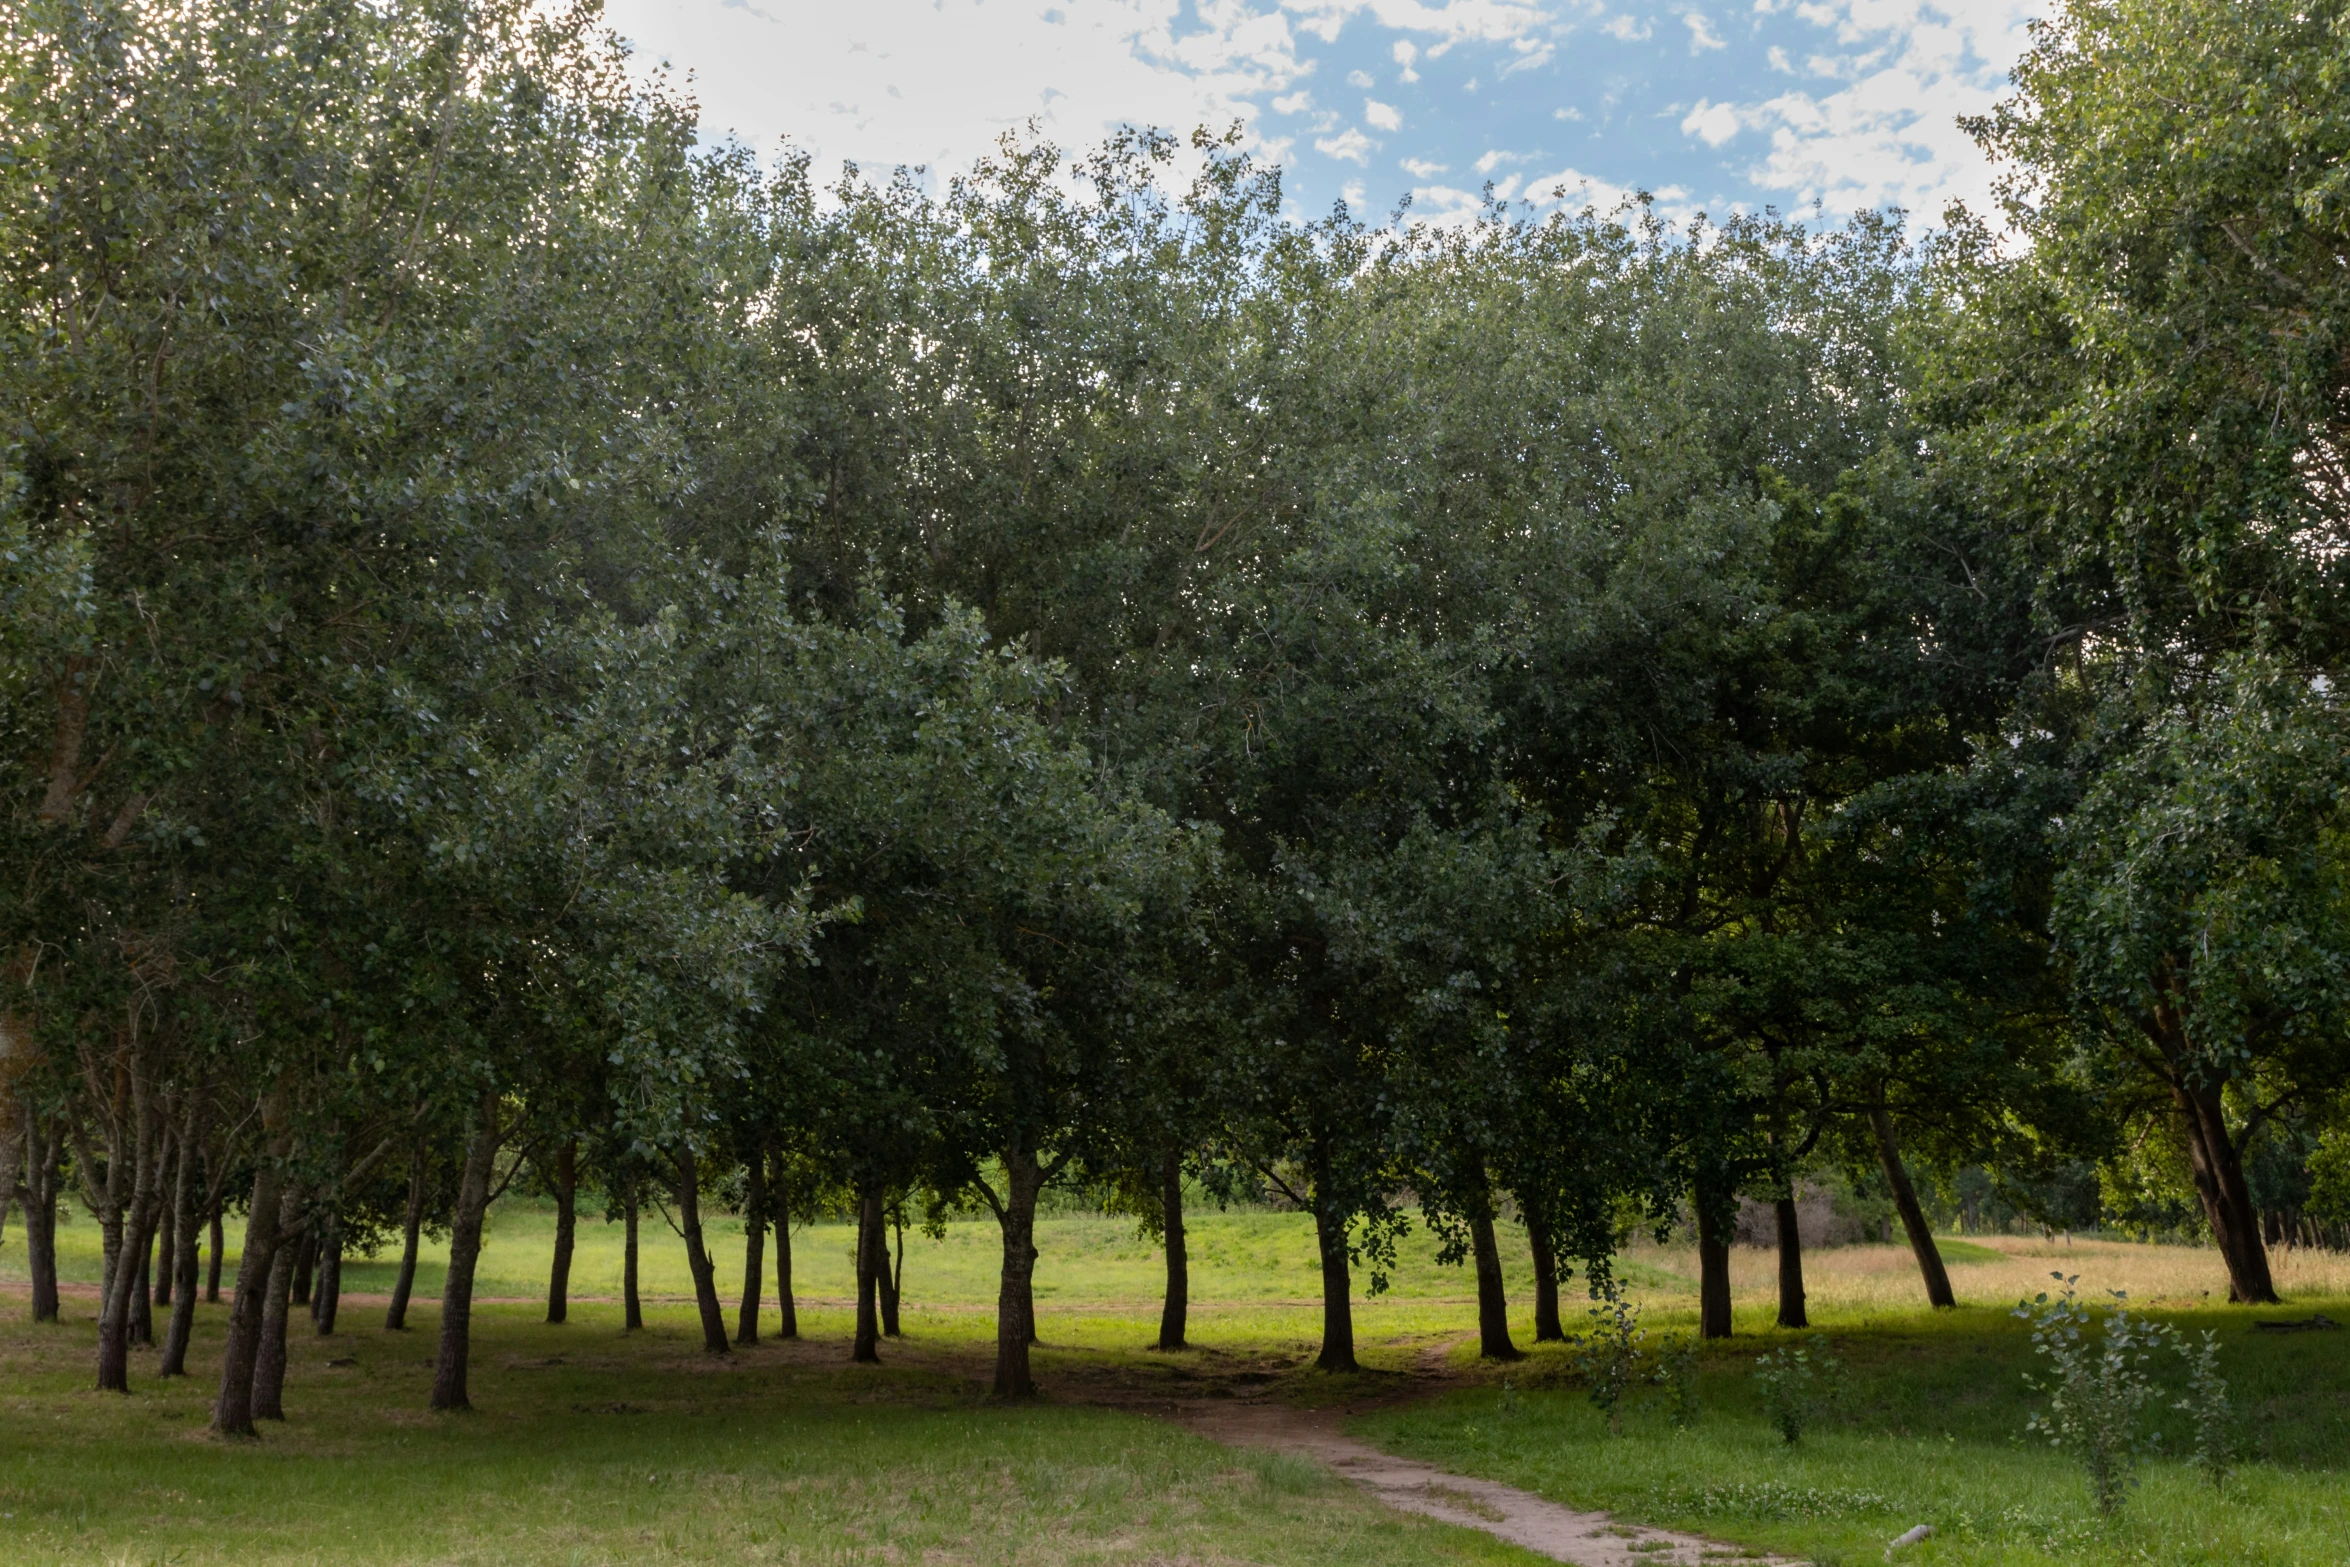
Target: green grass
x: 1931, y: 1431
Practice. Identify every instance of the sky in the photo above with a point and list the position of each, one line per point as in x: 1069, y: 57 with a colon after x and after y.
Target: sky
x: 1711, y: 105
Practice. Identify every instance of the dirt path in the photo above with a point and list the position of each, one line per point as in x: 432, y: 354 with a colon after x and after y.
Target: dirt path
x: 1504, y: 1511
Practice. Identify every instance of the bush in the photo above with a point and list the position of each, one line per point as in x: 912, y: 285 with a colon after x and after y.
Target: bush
x: 1798, y: 1384
x: 2206, y: 1405
x: 2097, y: 1385
x: 1610, y: 1356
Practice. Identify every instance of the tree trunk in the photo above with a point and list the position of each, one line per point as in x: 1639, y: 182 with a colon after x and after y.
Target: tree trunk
x: 1173, y: 1315
x: 1713, y: 1267
x: 40, y: 1216
x: 1905, y: 1202
x: 217, y: 1234
x: 305, y: 1260
x: 697, y: 1255
x: 1791, y: 1313
x: 329, y: 1299
x: 2227, y: 1202
x: 449, y: 1389
x: 1338, y: 1320
x: 142, y: 1323
x: 167, y: 1228
x: 867, y: 1346
x: 894, y: 1270
x: 566, y: 1230
x: 1015, y: 1307
x: 134, y: 1233
x: 1547, y: 1327
x: 632, y: 1306
x: 183, y: 1257
x: 411, y: 1231
x: 787, y: 1324
x: 269, y: 1356
x: 232, y: 1411
x: 746, y: 1323
x: 1493, y: 1302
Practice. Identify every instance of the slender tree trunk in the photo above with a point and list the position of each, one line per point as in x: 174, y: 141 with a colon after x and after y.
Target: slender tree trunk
x: 329, y: 1299
x: 886, y: 1282
x: 746, y: 1324
x: 269, y: 1359
x: 1905, y: 1202
x: 167, y: 1229
x: 867, y: 1347
x: 1338, y: 1319
x: 632, y: 1306
x: 787, y: 1324
x: 2227, y: 1202
x: 305, y: 1260
x: 1713, y: 1266
x: 183, y: 1257
x: 42, y: 1149
x: 1791, y: 1312
x: 1015, y: 1309
x: 1174, y: 1315
x: 1547, y: 1327
x: 142, y: 1323
x: 411, y: 1232
x: 1493, y: 1302
x: 449, y: 1385
x: 566, y: 1230
x: 697, y: 1255
x: 232, y: 1411
x: 134, y: 1230
x: 216, y: 1233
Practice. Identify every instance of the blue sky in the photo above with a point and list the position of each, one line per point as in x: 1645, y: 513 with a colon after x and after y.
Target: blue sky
x: 1717, y: 105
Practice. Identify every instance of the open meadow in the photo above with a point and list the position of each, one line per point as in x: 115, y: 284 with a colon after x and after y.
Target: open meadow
x: 590, y: 1447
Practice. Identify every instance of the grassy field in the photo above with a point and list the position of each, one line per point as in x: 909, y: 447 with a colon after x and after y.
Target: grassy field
x: 589, y: 1447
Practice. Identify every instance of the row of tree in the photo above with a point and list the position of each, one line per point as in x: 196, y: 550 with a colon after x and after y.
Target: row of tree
x: 536, y: 646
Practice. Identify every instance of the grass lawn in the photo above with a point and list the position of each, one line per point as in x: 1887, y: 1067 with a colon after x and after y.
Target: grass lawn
x: 589, y: 1447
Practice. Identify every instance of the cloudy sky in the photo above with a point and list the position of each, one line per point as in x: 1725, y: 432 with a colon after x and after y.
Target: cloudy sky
x: 1712, y: 104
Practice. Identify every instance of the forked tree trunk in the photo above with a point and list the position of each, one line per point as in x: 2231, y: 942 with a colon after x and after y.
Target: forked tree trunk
x: 893, y: 1273
x: 1174, y: 1313
x: 232, y: 1410
x: 632, y: 1306
x: 746, y: 1322
x: 1905, y: 1203
x: 329, y: 1300
x: 183, y: 1258
x: 1338, y: 1319
x: 411, y: 1231
x: 1791, y: 1312
x: 1015, y: 1310
x: 449, y: 1384
x: 697, y: 1255
x: 269, y: 1359
x: 2227, y: 1202
x: 566, y: 1231
x: 867, y: 1346
x: 1713, y: 1266
x: 134, y: 1232
x: 1547, y: 1327
x: 1493, y: 1302
x: 787, y: 1321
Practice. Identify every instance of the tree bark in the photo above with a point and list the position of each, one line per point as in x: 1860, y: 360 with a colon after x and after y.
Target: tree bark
x: 1905, y: 1202
x: 867, y: 1346
x: 1493, y: 1302
x: 167, y: 1227
x: 269, y: 1357
x: 183, y: 1257
x: 42, y: 1151
x: 1547, y: 1327
x: 133, y: 1232
x: 746, y: 1324
x: 1713, y: 1267
x: 142, y: 1323
x: 449, y: 1388
x: 217, y: 1234
x: 2227, y: 1201
x: 1174, y: 1313
x: 232, y: 1411
x: 411, y: 1231
x: 305, y: 1259
x: 566, y: 1230
x: 893, y: 1273
x: 329, y: 1299
x: 632, y: 1306
x: 1015, y: 1309
x: 787, y: 1324
x: 1338, y: 1320
x: 1791, y: 1312
x: 697, y: 1255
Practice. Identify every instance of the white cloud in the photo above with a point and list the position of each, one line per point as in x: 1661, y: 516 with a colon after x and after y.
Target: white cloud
x: 1702, y: 36
x: 1778, y: 61
x: 1494, y: 158
x: 1358, y: 79
x: 1529, y: 55
x: 1627, y: 29
x: 1353, y: 194
x: 1349, y: 145
x: 1568, y: 113
x: 1711, y: 123
x: 1405, y: 53
x: 1422, y: 169
x: 1382, y: 116
x: 1294, y: 103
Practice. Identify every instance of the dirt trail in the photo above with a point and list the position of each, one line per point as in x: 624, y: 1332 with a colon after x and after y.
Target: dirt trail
x: 1504, y: 1511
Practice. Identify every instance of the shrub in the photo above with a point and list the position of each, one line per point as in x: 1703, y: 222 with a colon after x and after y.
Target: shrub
x: 2206, y: 1405
x: 1798, y: 1383
x: 1610, y: 1356
x: 1676, y: 1371
x: 2096, y: 1385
